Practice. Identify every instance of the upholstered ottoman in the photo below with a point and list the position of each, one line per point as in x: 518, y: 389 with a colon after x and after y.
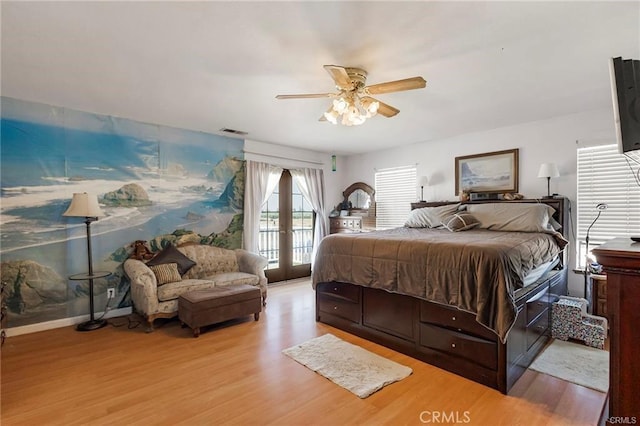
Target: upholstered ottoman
x: 204, y: 307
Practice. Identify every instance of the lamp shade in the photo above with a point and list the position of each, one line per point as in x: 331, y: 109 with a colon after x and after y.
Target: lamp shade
x: 83, y: 205
x: 424, y: 181
x: 548, y: 170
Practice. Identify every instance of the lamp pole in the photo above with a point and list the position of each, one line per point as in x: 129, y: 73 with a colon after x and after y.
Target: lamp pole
x: 587, y: 293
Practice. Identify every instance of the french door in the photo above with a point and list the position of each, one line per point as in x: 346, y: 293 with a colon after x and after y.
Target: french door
x: 286, y: 232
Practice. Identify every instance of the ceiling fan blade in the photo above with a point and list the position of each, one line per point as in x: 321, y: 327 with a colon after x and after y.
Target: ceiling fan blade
x: 340, y: 76
x: 383, y: 109
x: 396, y: 86
x: 306, y: 96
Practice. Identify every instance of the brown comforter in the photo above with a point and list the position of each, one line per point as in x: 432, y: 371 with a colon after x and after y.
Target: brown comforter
x: 476, y: 270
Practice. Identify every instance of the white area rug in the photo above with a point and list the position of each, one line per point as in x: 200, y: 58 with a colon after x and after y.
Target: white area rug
x: 575, y: 363
x: 347, y: 365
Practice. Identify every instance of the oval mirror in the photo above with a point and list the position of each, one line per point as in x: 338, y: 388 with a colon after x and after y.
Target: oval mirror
x: 359, y: 199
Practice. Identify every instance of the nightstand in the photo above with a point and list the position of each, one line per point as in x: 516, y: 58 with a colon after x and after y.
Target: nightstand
x: 599, y: 295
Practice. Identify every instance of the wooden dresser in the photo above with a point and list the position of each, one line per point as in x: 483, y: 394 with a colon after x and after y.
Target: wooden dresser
x: 342, y: 224
x: 620, y: 258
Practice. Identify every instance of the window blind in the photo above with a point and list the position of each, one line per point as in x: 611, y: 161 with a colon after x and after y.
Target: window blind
x: 605, y: 176
x: 395, y: 191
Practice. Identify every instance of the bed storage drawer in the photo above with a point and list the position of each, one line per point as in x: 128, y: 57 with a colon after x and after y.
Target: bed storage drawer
x: 539, y: 327
x: 537, y: 305
x: 338, y: 307
x: 348, y: 292
x: 480, y: 351
x: 443, y: 316
x: 537, y: 310
x: 391, y: 313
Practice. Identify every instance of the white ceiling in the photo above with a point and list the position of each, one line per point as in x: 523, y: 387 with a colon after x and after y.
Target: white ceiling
x: 209, y: 65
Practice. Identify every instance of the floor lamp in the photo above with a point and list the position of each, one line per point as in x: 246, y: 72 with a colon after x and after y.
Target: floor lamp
x: 86, y: 206
x: 587, y: 294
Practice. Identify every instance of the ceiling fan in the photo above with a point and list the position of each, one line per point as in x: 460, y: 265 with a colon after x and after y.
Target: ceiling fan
x: 353, y: 100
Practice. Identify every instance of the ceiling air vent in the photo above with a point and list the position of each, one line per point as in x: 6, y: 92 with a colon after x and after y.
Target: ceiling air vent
x: 233, y: 131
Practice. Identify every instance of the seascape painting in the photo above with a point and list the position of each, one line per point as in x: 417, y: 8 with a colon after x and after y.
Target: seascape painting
x: 154, y: 183
x: 489, y: 172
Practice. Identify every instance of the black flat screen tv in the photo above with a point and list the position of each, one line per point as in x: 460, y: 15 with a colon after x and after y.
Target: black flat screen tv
x: 625, y: 91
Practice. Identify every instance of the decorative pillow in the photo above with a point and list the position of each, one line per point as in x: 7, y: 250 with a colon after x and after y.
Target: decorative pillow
x: 166, y: 273
x: 170, y: 254
x: 418, y: 218
x: 522, y: 217
x: 430, y: 217
x: 460, y: 222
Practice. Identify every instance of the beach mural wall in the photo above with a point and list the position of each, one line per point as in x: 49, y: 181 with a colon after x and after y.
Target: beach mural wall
x: 154, y: 183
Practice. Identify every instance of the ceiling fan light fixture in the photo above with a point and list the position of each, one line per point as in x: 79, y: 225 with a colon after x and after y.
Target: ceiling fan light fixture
x: 353, y: 101
x: 340, y: 105
x: 371, y: 107
x: 332, y: 116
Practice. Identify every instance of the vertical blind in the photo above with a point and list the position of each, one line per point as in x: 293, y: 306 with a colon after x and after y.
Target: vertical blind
x: 395, y: 191
x: 605, y: 176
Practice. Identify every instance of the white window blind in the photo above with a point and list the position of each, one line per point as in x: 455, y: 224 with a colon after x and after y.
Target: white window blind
x: 604, y: 176
x: 395, y: 191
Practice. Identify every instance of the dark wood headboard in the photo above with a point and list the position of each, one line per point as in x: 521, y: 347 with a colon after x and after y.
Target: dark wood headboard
x: 560, y: 205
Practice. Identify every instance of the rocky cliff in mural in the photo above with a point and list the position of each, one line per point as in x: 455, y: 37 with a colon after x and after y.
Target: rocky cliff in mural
x: 129, y: 195
x: 233, y: 195
x: 225, y: 169
x: 30, y: 285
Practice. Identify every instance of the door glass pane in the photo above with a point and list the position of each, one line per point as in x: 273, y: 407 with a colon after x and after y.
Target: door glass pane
x: 302, y: 227
x: 269, y: 244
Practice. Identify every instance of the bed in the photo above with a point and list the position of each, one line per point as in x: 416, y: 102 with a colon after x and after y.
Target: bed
x: 473, y: 298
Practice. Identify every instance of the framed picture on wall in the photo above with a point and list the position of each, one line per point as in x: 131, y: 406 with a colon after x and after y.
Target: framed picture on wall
x: 489, y: 172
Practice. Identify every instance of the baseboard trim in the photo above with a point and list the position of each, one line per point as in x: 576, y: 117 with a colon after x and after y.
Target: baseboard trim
x: 63, y: 322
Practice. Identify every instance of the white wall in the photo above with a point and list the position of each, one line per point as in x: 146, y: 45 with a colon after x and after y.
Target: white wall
x: 538, y: 142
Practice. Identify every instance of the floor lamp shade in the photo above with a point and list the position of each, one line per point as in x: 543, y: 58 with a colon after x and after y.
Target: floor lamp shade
x: 86, y: 206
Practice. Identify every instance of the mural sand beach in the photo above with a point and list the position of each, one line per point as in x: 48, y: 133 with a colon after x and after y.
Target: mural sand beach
x: 151, y: 181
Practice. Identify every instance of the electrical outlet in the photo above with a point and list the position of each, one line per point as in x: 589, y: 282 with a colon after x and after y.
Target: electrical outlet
x: 111, y: 293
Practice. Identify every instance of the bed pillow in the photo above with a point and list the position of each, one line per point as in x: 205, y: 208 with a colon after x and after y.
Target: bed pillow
x: 519, y: 217
x: 430, y: 217
x: 166, y: 273
x: 170, y: 254
x: 460, y: 222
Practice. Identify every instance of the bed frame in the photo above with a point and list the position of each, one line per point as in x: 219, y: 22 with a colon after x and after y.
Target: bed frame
x: 444, y: 336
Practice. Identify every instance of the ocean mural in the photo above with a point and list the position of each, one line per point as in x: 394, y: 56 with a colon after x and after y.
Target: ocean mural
x: 154, y: 183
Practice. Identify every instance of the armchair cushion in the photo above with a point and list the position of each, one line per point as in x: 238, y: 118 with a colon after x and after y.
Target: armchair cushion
x: 166, y: 273
x: 170, y: 254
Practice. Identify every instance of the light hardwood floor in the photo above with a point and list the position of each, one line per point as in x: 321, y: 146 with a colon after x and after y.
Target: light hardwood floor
x: 235, y: 373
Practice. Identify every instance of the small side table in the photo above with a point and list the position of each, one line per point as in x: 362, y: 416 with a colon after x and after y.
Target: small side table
x: 599, y: 295
x: 92, y: 324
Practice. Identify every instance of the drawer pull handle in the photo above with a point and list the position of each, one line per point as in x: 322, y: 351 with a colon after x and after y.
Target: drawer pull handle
x: 335, y: 308
x: 453, y: 345
x: 453, y: 318
x: 335, y: 289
